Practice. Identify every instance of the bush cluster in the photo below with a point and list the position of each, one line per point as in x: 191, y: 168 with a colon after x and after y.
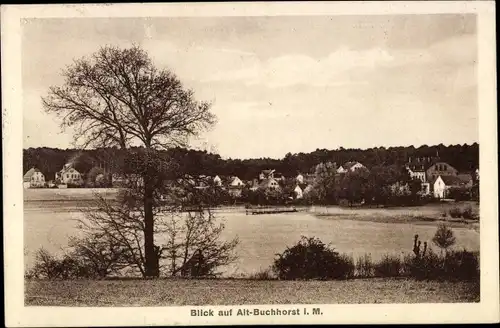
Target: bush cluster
x: 465, y: 213
x: 455, y: 265
x: 311, y: 259
x: 50, y: 267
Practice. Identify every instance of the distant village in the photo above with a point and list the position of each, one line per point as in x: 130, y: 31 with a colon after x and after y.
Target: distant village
x: 437, y: 179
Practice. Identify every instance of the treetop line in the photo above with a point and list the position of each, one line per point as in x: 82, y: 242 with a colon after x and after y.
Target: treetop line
x: 50, y: 160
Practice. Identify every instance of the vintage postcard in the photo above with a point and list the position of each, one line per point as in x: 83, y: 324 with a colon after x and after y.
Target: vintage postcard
x: 250, y: 163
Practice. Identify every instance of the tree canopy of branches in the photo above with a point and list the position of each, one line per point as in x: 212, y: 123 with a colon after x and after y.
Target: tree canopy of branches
x: 187, y: 238
x: 117, y: 97
x: 325, y: 181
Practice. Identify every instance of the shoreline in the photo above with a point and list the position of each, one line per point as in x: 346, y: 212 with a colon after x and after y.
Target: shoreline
x: 429, y: 214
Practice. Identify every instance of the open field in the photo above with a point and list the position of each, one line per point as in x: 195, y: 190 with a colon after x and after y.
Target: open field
x: 430, y: 214
x: 230, y: 292
x: 49, y: 221
x: 67, y: 194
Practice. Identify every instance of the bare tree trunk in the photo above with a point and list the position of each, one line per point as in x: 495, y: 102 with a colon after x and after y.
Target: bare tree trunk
x: 151, y: 269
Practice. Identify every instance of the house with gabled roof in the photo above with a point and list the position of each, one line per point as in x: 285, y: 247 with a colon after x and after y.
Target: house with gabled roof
x: 444, y: 183
x: 417, y: 169
x: 298, y: 192
x: 350, y: 166
x: 235, y: 186
x: 69, y: 175
x: 34, y: 178
x: 269, y: 184
x: 440, y: 169
x: 266, y: 174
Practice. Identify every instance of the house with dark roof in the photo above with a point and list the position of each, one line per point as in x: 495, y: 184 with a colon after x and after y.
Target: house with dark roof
x: 467, y: 179
x: 266, y: 174
x: 417, y: 169
x: 443, y: 184
x: 34, y: 178
x: 439, y: 169
x: 269, y: 184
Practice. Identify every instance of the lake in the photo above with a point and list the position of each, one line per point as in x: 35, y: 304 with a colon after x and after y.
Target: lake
x: 50, y: 224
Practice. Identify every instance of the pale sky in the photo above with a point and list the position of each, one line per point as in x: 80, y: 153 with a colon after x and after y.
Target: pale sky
x: 285, y: 84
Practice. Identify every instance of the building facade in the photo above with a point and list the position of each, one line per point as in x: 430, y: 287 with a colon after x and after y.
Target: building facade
x: 34, y: 178
x: 440, y: 169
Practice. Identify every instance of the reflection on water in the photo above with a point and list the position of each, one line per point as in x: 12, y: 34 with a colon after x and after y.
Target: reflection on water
x: 261, y: 236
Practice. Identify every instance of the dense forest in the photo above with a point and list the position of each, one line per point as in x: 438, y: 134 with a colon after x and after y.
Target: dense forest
x: 465, y: 158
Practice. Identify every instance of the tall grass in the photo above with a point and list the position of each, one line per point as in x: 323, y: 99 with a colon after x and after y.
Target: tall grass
x: 388, y: 266
x: 364, y: 266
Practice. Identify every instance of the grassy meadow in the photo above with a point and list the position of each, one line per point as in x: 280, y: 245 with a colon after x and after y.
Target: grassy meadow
x: 164, y: 292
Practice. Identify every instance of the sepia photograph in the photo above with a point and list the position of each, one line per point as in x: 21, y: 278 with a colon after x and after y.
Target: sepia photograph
x: 250, y: 166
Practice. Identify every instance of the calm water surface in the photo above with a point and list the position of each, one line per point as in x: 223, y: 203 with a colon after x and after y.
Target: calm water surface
x: 261, y: 236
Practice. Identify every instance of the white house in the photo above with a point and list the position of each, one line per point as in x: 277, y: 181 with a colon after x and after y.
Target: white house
x: 33, y: 178
x: 417, y: 174
x: 350, y: 166
x: 235, y: 187
x: 444, y: 183
x: 298, y: 192
x: 236, y: 182
x: 269, y: 184
x: 299, y: 179
x: 69, y: 174
x: 217, y: 181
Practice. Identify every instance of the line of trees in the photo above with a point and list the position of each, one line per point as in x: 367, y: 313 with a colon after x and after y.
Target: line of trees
x: 50, y: 160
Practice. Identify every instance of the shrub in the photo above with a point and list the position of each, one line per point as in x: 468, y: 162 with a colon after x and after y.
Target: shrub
x: 389, y: 266
x: 50, y: 267
x: 425, y: 267
x: 452, y: 265
x: 347, y: 264
x: 312, y: 259
x: 444, y: 237
x: 467, y: 213
x: 407, y: 265
x: 364, y: 266
x: 461, y: 265
x: 263, y: 274
x: 455, y: 212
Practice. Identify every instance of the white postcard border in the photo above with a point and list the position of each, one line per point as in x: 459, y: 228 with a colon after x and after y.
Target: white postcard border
x: 19, y: 315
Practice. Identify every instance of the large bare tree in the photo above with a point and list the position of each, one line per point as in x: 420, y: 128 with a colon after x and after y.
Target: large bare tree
x: 117, y: 97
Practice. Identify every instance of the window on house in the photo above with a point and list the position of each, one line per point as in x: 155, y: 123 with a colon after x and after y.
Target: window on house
x: 67, y: 176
